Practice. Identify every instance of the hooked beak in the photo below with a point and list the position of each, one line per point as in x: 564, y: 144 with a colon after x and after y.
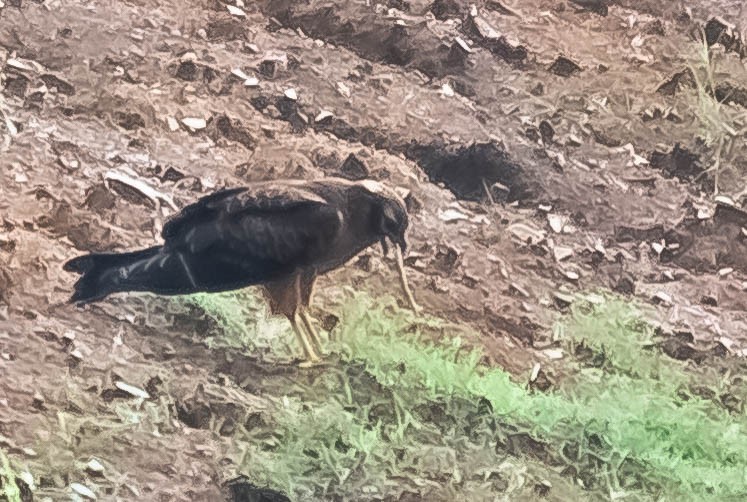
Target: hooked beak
x: 384, y: 247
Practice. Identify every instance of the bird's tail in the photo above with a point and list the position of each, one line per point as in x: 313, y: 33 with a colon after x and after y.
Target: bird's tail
x: 105, y: 273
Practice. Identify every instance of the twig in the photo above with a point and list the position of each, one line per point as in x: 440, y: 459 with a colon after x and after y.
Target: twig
x: 717, y: 164
x: 487, y: 192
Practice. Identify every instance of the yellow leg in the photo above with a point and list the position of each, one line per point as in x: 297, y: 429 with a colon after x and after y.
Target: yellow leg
x: 311, y: 330
x: 312, y: 357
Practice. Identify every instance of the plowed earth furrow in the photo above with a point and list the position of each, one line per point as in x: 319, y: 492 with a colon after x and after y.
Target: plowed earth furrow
x: 110, y: 84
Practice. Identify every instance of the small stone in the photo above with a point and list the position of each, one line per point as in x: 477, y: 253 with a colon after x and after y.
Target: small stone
x: 725, y: 271
x: 724, y: 200
x: 704, y: 213
x: 194, y: 123
x: 132, y: 390
x: 573, y: 140
x: 447, y: 90
x: 94, y: 467
x: 291, y: 94
x: 563, y: 299
x: 188, y: 57
x: 172, y: 123
x: 37, y: 401
x: 557, y: 222
x: 526, y: 234
x: 554, y: 353
x: 639, y: 161
x: 535, y: 372
x: 562, y: 253
x: 663, y: 298
x: 343, y: 89
x: 251, y: 82
x: 28, y: 478
x: 235, y: 11
x: 18, y: 65
x: 83, y: 491
x: 571, y: 275
x: 519, y: 289
x: 322, y: 116
x: 451, y: 215
x: 239, y: 73
x: 463, y: 45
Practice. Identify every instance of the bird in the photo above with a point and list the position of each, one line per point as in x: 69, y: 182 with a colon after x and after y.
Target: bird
x: 279, y: 235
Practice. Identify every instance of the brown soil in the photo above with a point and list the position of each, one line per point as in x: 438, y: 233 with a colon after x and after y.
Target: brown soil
x: 580, y: 112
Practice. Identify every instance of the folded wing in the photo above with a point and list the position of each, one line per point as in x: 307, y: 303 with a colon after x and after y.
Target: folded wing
x: 283, y: 225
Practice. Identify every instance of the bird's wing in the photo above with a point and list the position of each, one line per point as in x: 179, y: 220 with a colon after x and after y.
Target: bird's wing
x: 281, y: 223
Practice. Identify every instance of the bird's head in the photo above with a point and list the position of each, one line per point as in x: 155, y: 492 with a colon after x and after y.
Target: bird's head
x: 390, y: 221
x: 390, y: 218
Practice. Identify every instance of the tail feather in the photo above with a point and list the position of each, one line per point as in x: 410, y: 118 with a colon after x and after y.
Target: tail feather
x: 100, y: 273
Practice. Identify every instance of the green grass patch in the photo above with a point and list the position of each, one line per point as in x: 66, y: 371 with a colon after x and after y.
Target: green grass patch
x: 720, y: 125
x: 9, y: 489
x: 402, y: 413
x: 243, y: 322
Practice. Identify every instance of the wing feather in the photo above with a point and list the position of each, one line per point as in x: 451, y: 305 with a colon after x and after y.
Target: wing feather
x: 283, y: 224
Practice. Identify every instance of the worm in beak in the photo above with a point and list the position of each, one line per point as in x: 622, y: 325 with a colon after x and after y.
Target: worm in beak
x: 403, y: 279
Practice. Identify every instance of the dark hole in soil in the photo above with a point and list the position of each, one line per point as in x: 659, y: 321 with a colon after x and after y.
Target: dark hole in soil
x: 62, y: 86
x: 469, y: 172
x: 187, y: 71
x: 194, y: 414
x: 242, y: 490
x: 679, y: 163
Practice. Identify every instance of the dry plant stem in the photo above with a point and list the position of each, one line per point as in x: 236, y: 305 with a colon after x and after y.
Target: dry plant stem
x: 717, y: 165
x: 487, y: 192
x: 403, y: 280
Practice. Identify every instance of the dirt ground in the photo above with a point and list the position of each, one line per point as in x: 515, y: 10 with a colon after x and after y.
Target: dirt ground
x: 549, y: 147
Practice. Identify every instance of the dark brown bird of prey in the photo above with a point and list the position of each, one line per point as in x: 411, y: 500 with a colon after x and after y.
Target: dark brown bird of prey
x: 277, y: 234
